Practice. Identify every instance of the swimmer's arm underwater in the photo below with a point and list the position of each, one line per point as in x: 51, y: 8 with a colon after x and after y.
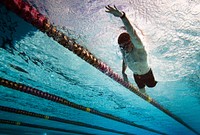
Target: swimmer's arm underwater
x: 122, y: 15
x: 131, y: 31
x: 124, y: 66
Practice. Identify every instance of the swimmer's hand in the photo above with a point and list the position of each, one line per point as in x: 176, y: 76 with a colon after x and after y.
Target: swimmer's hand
x: 125, y: 77
x: 114, y: 11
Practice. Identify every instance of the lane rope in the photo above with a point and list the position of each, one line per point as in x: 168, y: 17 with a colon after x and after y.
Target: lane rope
x: 19, y: 123
x: 46, y: 117
x: 31, y: 15
x: 38, y: 93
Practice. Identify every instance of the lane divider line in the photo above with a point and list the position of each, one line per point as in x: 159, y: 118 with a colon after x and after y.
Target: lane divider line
x: 17, y: 123
x: 38, y: 93
x: 52, y: 118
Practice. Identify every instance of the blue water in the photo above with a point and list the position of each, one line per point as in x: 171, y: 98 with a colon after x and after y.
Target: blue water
x: 171, y: 37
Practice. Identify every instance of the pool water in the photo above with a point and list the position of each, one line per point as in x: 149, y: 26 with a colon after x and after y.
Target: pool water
x: 30, y: 57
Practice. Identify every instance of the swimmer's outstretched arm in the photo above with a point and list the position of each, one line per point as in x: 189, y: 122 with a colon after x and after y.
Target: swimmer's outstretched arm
x: 114, y: 11
x: 122, y: 15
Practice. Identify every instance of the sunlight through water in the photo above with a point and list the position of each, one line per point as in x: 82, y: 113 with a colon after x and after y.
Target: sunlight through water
x: 170, y: 31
